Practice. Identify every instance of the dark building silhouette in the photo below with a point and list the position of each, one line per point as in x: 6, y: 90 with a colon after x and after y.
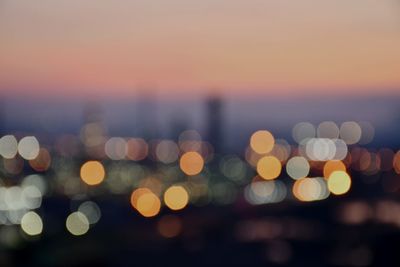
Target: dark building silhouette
x: 146, y: 108
x: 178, y: 124
x: 93, y: 112
x: 214, y: 123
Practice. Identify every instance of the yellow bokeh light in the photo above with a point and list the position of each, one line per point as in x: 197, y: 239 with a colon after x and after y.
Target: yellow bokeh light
x: 339, y: 182
x: 92, y: 172
x: 176, y: 197
x: 333, y: 165
x: 145, y: 202
x: 262, y: 142
x: 136, y: 194
x: 191, y: 163
x: 269, y: 167
x: 148, y: 205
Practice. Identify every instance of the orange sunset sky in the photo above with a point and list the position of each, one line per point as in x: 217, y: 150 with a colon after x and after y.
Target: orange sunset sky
x: 180, y: 47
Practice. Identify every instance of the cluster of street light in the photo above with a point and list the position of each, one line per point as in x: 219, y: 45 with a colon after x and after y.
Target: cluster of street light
x: 160, y: 173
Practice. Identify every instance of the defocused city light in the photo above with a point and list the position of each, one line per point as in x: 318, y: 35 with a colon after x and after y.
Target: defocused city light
x: 262, y: 142
x: 333, y: 165
x: 328, y: 129
x: 297, y: 167
x: 137, y: 149
x: 28, y: 147
x: 8, y: 146
x: 176, y: 197
x: 116, y: 148
x: 200, y: 133
x: 303, y: 131
x: 91, y: 210
x: 167, y: 151
x: 269, y: 167
x: 42, y: 162
x: 145, y: 202
x: 350, y: 132
x: 92, y: 172
x: 77, y: 223
x: 31, y: 223
x: 339, y: 182
x: 191, y: 163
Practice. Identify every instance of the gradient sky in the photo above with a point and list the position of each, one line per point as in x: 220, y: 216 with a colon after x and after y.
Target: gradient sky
x: 271, y: 47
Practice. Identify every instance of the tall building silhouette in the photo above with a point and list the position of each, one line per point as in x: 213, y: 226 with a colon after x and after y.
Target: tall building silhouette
x: 93, y: 112
x: 146, y: 121
x: 93, y: 132
x: 215, y: 123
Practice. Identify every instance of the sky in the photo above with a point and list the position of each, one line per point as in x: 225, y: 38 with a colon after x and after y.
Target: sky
x: 181, y: 48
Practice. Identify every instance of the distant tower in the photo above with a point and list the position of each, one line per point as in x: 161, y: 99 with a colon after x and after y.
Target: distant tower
x: 177, y: 125
x: 146, y: 121
x: 93, y: 132
x: 146, y: 114
x: 215, y: 123
x: 93, y: 112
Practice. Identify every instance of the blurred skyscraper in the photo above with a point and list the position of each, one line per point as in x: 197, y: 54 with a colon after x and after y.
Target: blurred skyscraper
x: 146, y: 124
x: 93, y: 133
x: 214, y: 124
x: 93, y: 112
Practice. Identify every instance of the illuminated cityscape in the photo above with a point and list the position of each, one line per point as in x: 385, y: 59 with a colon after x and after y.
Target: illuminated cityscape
x: 85, y: 183
x: 199, y: 133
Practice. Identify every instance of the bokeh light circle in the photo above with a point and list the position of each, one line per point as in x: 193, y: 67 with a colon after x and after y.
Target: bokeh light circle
x: 31, y: 223
x: 77, y: 223
x: 176, y: 197
x: 191, y: 163
x: 28, y: 147
x: 269, y: 167
x: 297, y: 167
x: 262, y: 142
x: 92, y: 172
x: 339, y: 182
